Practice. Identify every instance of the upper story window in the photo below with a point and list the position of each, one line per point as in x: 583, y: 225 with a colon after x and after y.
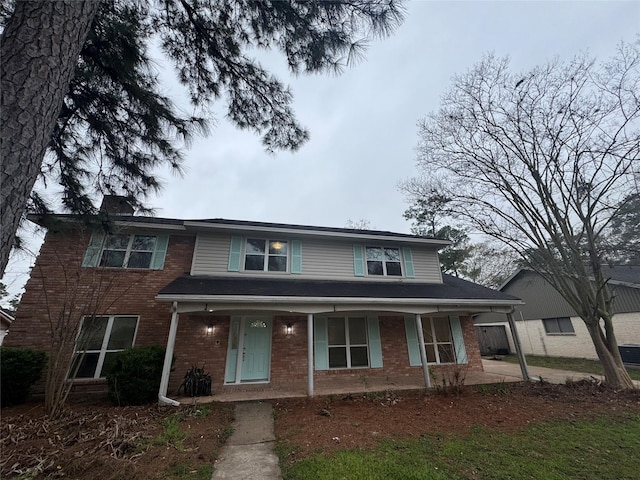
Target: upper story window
x: 128, y: 251
x: 383, y: 261
x: 99, y: 340
x: 266, y: 255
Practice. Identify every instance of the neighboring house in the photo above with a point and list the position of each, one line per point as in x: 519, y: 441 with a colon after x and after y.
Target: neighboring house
x: 547, y: 325
x: 279, y: 309
x: 6, y: 319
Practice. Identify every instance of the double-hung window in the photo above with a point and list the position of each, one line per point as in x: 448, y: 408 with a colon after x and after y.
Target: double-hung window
x: 558, y: 326
x: 383, y: 261
x: 347, y: 342
x: 438, y: 340
x: 128, y: 251
x: 99, y: 339
x: 266, y: 255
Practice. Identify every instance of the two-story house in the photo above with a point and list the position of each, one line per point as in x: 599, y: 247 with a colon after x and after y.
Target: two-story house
x: 268, y: 308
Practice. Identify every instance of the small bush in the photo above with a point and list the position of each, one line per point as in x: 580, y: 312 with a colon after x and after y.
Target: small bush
x: 196, y: 383
x: 134, y: 376
x: 20, y: 368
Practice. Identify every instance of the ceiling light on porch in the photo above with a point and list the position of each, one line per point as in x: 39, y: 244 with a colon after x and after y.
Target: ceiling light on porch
x: 276, y: 245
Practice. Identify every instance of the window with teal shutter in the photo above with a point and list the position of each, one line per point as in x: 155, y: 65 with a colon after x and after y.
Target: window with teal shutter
x: 92, y: 255
x: 358, y: 261
x: 320, y: 343
x: 235, y: 252
x: 375, y: 344
x: 413, y: 345
x: 458, y: 340
x: 160, y: 252
x: 408, y: 262
x: 296, y: 256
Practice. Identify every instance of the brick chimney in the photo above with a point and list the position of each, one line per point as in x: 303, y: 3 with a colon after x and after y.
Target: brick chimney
x: 116, y: 205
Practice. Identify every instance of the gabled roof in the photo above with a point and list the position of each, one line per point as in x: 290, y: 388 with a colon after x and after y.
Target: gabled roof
x: 628, y: 275
x: 244, y: 227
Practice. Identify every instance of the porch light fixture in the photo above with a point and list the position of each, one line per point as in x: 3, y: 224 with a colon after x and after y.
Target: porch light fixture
x: 289, y: 329
x: 210, y: 329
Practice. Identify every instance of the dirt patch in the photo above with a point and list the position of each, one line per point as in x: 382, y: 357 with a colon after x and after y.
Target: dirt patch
x: 360, y: 421
x: 103, y: 441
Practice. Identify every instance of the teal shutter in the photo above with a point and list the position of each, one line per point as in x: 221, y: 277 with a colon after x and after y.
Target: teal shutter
x: 92, y: 255
x: 358, y: 261
x: 413, y: 346
x: 235, y: 252
x: 296, y: 256
x: 159, y: 253
x: 458, y: 339
x: 320, y: 343
x: 375, y: 345
x: 408, y: 262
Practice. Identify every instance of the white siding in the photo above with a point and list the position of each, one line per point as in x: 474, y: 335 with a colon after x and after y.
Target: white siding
x: 321, y: 258
x: 535, y: 341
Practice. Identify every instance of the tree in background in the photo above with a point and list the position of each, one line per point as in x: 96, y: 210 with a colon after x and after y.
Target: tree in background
x: 79, y: 90
x: 430, y: 216
x: 542, y: 161
x: 622, y: 242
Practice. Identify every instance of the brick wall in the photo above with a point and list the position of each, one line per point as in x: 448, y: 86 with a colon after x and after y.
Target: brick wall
x: 60, y: 291
x: 289, y: 355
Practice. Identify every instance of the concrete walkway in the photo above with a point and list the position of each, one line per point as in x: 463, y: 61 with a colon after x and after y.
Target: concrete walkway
x: 249, y: 452
x: 510, y: 372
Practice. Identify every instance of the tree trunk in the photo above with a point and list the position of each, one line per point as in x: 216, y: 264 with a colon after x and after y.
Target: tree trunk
x: 615, y: 373
x: 39, y: 49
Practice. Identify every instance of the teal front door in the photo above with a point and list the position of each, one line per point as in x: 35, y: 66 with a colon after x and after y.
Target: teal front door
x: 249, y: 351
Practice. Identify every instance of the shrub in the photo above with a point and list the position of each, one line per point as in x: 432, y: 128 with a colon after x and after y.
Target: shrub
x: 20, y: 368
x: 133, y: 377
x: 196, y: 383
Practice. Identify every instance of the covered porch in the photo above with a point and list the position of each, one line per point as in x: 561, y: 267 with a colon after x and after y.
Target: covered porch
x: 392, y: 324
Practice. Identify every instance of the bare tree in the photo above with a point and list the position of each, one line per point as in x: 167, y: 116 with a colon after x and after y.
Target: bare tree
x: 541, y: 161
x: 73, y: 297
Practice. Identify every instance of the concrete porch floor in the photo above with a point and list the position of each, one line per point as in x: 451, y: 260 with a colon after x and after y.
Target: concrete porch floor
x: 495, y: 371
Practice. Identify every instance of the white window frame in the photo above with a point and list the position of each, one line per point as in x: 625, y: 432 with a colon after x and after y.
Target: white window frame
x: 265, y: 264
x: 557, y: 322
x: 348, y: 345
x: 436, y: 343
x: 127, y: 251
x: 102, y: 352
x: 384, y: 261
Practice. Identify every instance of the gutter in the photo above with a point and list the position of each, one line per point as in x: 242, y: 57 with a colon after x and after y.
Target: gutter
x: 168, y: 360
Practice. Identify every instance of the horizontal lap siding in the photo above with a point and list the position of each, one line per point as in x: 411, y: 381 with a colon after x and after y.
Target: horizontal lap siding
x: 211, y: 255
x: 320, y: 259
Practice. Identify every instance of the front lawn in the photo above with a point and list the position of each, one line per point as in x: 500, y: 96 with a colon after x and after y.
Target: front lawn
x: 604, y: 447
x: 565, y: 363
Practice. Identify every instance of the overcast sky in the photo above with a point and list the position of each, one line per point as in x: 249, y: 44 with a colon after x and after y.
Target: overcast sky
x: 363, y: 122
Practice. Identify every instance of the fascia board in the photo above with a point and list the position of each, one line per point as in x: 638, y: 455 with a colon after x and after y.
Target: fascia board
x: 202, y: 226
x: 235, y: 299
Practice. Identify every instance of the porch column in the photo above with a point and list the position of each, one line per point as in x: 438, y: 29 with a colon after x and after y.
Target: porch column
x: 423, y: 352
x: 168, y: 358
x: 516, y: 342
x: 310, y: 354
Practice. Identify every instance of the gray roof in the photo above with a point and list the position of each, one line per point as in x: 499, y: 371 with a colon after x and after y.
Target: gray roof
x: 452, y: 288
x: 46, y: 220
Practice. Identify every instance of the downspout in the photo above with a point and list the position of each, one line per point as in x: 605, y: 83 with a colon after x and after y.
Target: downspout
x: 516, y: 342
x: 423, y: 352
x: 168, y: 359
x: 310, y: 355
